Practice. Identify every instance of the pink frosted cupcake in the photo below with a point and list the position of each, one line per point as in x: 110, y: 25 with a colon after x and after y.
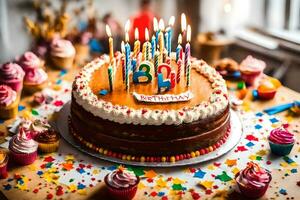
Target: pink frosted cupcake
x: 3, y: 163
x: 23, y: 148
x: 253, y: 181
x: 12, y: 74
x: 29, y: 61
x: 62, y: 53
x: 35, y: 80
x: 122, y: 184
x: 251, y: 70
x: 281, y: 141
x: 8, y: 102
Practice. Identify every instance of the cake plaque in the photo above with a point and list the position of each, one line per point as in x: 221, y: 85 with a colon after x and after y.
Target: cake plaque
x: 165, y: 98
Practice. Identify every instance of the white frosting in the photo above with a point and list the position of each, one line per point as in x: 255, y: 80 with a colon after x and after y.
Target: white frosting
x: 216, y: 104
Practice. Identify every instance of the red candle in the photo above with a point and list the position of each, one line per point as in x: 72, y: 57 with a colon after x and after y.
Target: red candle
x: 173, y: 79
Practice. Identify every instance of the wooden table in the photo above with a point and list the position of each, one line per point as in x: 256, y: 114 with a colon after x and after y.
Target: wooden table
x: 284, y: 95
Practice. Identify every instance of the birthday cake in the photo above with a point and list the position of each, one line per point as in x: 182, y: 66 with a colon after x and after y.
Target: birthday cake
x: 144, y: 106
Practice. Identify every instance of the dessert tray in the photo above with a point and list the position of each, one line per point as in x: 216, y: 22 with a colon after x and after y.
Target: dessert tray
x: 232, y: 140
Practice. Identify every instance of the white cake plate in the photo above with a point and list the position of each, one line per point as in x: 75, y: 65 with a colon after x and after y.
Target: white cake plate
x: 232, y: 140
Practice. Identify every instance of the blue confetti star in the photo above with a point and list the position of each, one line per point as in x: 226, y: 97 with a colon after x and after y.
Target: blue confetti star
x: 259, y: 114
x: 249, y: 144
x: 40, y: 173
x: 7, y: 187
x: 112, y: 168
x: 81, y: 171
x: 20, y: 108
x: 274, y: 120
x: 283, y: 191
x: 80, y: 186
x: 199, y: 174
x: 257, y: 126
x: 294, y: 171
x: 103, y: 92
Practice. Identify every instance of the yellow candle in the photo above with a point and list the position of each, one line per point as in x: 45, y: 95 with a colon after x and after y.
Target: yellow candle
x: 161, y: 42
x: 110, y: 43
x: 137, y: 44
x: 147, y: 46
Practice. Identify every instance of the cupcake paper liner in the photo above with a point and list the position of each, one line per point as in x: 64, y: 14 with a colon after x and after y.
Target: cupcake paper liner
x: 10, y: 111
x: 23, y: 158
x: 281, y: 149
x: 252, y: 192
x: 122, y: 193
x: 250, y: 78
x: 48, y: 148
x: 31, y: 89
x: 62, y: 63
x: 3, y: 168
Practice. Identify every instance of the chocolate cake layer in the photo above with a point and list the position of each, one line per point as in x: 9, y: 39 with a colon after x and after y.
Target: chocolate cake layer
x: 148, y: 139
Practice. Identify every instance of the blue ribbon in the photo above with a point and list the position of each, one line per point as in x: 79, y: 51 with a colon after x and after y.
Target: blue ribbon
x: 281, y: 108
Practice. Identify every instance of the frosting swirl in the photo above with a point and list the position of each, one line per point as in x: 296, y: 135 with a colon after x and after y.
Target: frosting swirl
x: 11, y: 72
x: 7, y: 95
x: 121, y: 179
x: 22, y: 142
x: 62, y: 48
x: 48, y: 136
x: 35, y: 76
x: 254, y: 176
x: 29, y: 61
x: 281, y: 136
x: 252, y: 65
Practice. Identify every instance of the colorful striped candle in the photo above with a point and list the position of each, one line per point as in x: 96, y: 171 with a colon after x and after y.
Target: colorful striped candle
x: 188, y: 74
x: 187, y: 51
x: 137, y: 43
x: 156, y: 62
x: 110, y: 77
x: 179, y: 63
x: 170, y: 34
x: 179, y: 48
x: 153, y: 46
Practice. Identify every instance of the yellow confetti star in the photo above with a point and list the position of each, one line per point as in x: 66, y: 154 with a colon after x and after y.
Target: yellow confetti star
x: 141, y: 186
x: 178, y: 181
x: 235, y: 170
x: 211, y: 167
x: 284, y: 164
x: 230, y: 163
x: 252, y: 157
x: 262, y: 152
x: 69, y: 157
x: 96, y: 171
x: 82, y: 191
x: 72, y: 187
x: 150, y: 174
x: 206, y: 184
x: 161, y: 183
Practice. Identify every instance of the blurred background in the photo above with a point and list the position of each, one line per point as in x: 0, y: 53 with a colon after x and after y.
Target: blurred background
x: 266, y: 29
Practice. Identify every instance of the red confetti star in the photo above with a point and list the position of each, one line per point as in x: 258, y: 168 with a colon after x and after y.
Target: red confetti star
x: 241, y: 148
x: 49, y: 196
x: 49, y: 159
x: 251, y: 138
x: 153, y: 194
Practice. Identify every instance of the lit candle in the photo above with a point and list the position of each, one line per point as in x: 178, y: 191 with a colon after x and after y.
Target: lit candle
x: 179, y: 48
x: 161, y: 37
x: 153, y: 45
x: 147, y: 46
x: 179, y: 63
x: 170, y: 34
x: 110, y: 77
x: 110, y: 43
x: 183, y: 23
x: 137, y: 43
x: 127, y: 55
x: 187, y: 55
x: 155, y: 29
x: 123, y: 60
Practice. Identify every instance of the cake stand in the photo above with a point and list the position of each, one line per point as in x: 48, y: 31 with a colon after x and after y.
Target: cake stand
x: 232, y: 140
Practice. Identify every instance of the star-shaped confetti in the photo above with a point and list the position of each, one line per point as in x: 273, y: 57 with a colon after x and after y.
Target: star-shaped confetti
x: 230, y: 163
x: 224, y: 177
x: 199, y: 174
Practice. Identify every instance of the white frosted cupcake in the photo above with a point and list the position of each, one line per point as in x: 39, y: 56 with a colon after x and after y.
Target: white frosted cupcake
x: 62, y: 54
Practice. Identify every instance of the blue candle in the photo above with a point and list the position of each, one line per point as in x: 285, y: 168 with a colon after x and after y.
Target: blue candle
x: 170, y: 34
x: 127, y: 61
x: 179, y: 48
x: 166, y: 39
x: 153, y: 44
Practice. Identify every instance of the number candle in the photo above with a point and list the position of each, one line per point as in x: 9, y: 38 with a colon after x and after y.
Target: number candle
x: 187, y: 48
x: 179, y: 63
x: 110, y: 77
x: 143, y: 71
x: 161, y: 37
x: 153, y: 45
x: 170, y: 34
x: 187, y: 56
x: 162, y: 84
x: 110, y: 43
x: 137, y: 43
x: 179, y: 48
x: 155, y: 29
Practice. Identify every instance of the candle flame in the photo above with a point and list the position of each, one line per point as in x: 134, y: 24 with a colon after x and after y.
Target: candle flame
x: 108, y: 31
x: 127, y: 26
x: 155, y: 24
x: 136, y: 33
x: 171, y: 21
x: 146, y: 34
x: 161, y: 25
x: 183, y: 22
x: 179, y: 38
x: 122, y: 47
x: 126, y: 37
x: 188, y: 34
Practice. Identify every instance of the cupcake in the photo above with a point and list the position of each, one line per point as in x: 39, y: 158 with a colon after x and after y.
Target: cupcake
x: 81, y: 44
x: 35, y: 80
x: 29, y: 61
x: 251, y: 70
x: 122, y: 184
x: 281, y: 141
x: 3, y: 163
x: 48, y: 138
x: 62, y: 53
x: 253, y: 181
x: 12, y: 74
x: 23, y: 148
x: 228, y: 68
x: 8, y: 102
